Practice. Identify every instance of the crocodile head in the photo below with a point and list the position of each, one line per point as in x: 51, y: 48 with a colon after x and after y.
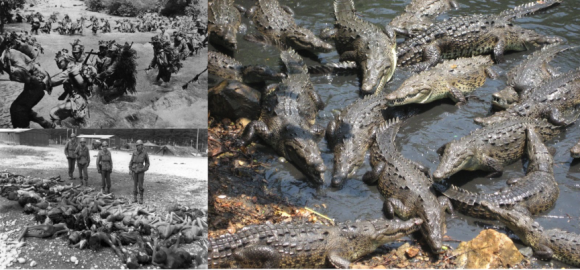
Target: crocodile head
x: 409, y: 24
x: 457, y: 155
x: 303, y: 152
x: 411, y: 91
x: 575, y: 151
x: 377, y: 67
x: 501, y: 100
x: 345, y: 162
x: 303, y: 39
x: 224, y: 35
x: 531, y: 36
x: 260, y: 73
x: 518, y: 219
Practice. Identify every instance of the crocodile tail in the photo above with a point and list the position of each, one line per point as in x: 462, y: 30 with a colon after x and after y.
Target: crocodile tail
x: 344, y: 66
x: 391, y: 128
x: 528, y: 9
x: 293, y: 63
x: 344, y: 9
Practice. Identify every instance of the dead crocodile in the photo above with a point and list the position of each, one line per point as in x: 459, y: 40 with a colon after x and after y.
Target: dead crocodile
x: 227, y: 67
x: 223, y: 23
x: 277, y: 27
x: 304, y: 245
x: 491, y: 147
x: 419, y: 15
x: 408, y: 191
x: 371, y: 47
x: 537, y: 191
x: 472, y: 35
x: 452, y: 78
x: 530, y: 73
x: 547, y: 244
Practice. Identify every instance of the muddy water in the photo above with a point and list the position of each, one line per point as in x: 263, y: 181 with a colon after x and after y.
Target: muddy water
x: 154, y: 104
x: 433, y: 124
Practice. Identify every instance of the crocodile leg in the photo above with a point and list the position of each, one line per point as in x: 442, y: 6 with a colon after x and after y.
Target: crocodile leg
x: 445, y: 204
x: 318, y: 131
x: 372, y: 176
x: 457, y: 96
x: 431, y: 55
x: 327, y: 33
x: 254, y: 128
x: 338, y: 261
x: 494, y: 165
x: 317, y: 99
x: 396, y: 207
x: 265, y: 254
x: 499, y: 50
x: 544, y: 253
x: 556, y: 118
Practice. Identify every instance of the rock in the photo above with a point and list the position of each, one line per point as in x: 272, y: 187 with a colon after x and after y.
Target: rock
x: 74, y: 260
x: 412, y: 252
x: 21, y: 260
x: 489, y: 249
x: 32, y: 264
x: 527, y: 251
x: 401, y: 250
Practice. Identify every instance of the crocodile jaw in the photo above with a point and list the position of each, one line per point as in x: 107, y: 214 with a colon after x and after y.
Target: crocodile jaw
x: 391, y: 232
x: 377, y: 69
x: 304, y: 39
x: 306, y: 155
x: 455, y: 158
x: 505, y: 98
x: 407, y: 94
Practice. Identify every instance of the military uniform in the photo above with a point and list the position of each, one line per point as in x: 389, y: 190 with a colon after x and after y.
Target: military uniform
x: 83, y: 161
x: 105, y: 167
x: 138, y: 165
x: 70, y: 153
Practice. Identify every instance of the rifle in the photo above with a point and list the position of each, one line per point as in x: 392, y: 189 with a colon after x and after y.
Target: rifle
x: 88, y: 56
x: 193, y: 80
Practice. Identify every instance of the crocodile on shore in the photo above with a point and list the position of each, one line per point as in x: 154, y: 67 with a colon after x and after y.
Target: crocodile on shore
x: 223, y: 21
x: 233, y: 99
x: 287, y: 118
x: 547, y: 244
x: 227, y: 67
x: 304, y: 245
x: 419, y: 15
x: 530, y: 73
x: 371, y: 47
x: 453, y: 78
x: 408, y: 191
x: 551, y: 100
x: 472, y: 35
x: 491, y: 147
x: 537, y: 191
x: 277, y: 27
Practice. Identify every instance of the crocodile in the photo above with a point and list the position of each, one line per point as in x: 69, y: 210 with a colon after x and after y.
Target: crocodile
x: 547, y: 244
x: 491, y: 147
x: 277, y: 27
x: 286, y: 121
x: 408, y: 190
x: 223, y: 21
x: 452, y: 78
x: 227, y: 67
x: 350, y: 135
x: 575, y: 150
x: 305, y: 245
x: 371, y: 47
x: 419, y: 15
x: 233, y: 99
x: 472, y: 35
x: 550, y: 100
x: 530, y: 73
x: 537, y: 191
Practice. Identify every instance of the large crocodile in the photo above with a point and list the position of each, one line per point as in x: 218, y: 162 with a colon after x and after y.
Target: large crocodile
x: 530, y: 73
x: 419, y: 15
x: 277, y: 27
x: 452, y: 78
x: 491, y: 147
x: 551, y: 100
x: 286, y: 120
x: 350, y: 135
x: 472, y: 35
x: 304, y: 245
x: 371, y: 47
x: 227, y: 67
x: 537, y: 191
x: 547, y: 244
x: 408, y: 190
x: 223, y: 21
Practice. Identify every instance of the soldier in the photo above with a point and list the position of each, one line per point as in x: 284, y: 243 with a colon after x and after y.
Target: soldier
x: 163, y: 36
x: 83, y: 161
x: 78, y: 52
x: 35, y: 25
x: 69, y: 151
x: 138, y: 165
x: 105, y: 167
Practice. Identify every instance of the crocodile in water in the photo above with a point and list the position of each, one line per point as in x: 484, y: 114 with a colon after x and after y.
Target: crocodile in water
x: 224, y: 21
x: 227, y: 67
x: 419, y: 15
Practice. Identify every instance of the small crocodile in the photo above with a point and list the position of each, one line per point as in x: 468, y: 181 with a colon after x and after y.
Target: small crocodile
x: 491, y: 147
x: 537, y: 191
x: 350, y: 135
x: 452, y: 78
x: 233, y: 99
x: 408, y: 190
x: 547, y: 244
x: 371, y: 47
x: 305, y: 245
x: 277, y: 27
x: 286, y: 120
x: 227, y: 67
x: 419, y: 15
x: 530, y: 73
x: 472, y: 35
x: 550, y: 100
x: 224, y: 21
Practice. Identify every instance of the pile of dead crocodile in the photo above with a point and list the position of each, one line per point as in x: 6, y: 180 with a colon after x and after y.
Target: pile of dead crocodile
x: 449, y: 59
x: 90, y: 219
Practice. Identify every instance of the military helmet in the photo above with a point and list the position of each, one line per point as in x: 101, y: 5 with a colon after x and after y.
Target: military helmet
x: 72, y: 135
x: 105, y: 143
x: 78, y: 48
x: 83, y: 140
x: 139, y: 142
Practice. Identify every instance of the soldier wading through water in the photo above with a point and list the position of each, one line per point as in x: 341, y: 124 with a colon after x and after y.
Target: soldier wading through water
x: 105, y: 167
x: 138, y: 165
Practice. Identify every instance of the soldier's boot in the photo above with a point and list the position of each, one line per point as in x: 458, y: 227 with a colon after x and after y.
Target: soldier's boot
x: 141, y: 198
x: 134, y: 198
x: 108, y: 190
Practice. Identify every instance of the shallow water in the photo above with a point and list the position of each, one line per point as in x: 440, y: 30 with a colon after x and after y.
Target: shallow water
x: 433, y: 125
